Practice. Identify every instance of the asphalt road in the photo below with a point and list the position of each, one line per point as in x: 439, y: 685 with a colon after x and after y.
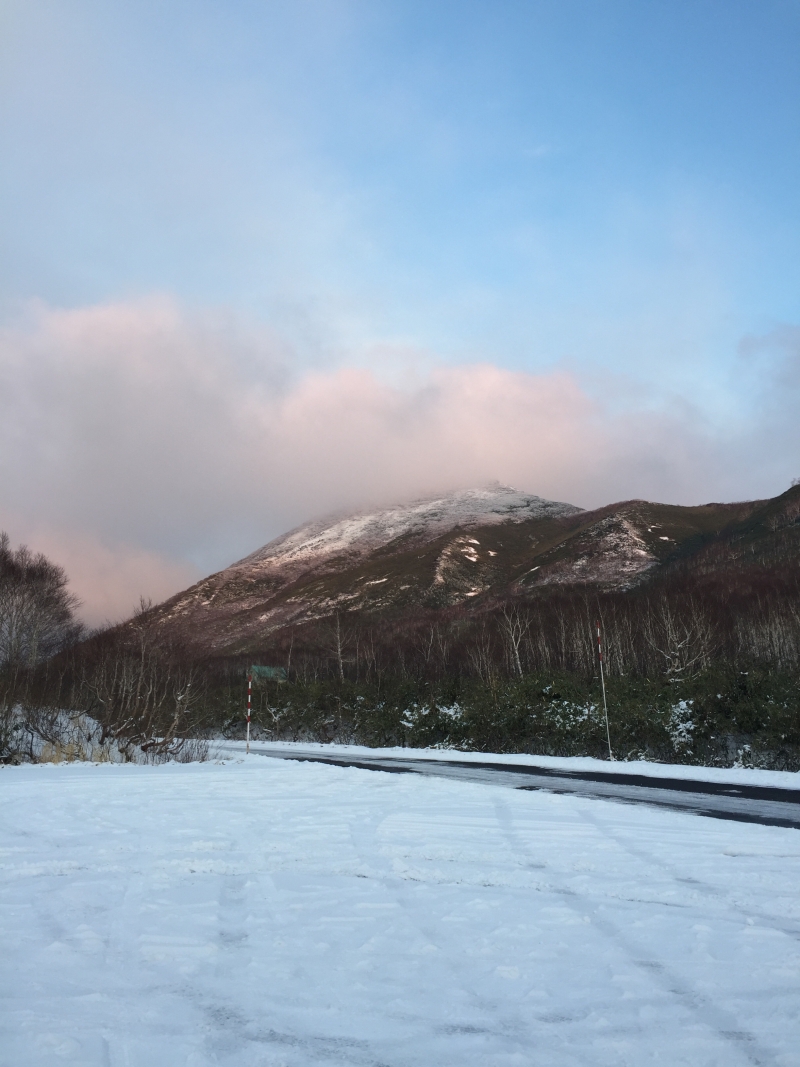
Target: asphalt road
x: 768, y: 805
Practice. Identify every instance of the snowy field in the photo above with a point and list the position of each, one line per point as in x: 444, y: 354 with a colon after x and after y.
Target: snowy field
x: 264, y: 912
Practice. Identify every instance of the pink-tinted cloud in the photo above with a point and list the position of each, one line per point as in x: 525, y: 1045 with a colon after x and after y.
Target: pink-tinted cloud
x: 142, y: 446
x: 110, y: 579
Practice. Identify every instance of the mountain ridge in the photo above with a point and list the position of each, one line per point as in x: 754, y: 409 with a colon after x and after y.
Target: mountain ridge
x: 463, y: 550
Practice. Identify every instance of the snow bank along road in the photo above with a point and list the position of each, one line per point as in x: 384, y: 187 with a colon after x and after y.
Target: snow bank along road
x: 268, y: 913
x: 740, y: 800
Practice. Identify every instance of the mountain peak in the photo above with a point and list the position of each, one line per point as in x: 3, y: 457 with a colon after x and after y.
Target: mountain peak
x: 362, y: 532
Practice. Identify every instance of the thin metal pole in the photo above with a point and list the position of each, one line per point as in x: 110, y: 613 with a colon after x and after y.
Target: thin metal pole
x: 603, y: 684
x: 249, y: 701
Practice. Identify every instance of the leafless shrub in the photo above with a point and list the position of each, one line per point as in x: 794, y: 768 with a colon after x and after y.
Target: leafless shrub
x: 141, y: 692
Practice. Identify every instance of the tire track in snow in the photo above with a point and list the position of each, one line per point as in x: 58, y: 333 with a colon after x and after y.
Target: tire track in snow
x: 515, y: 1030
x: 229, y: 1027
x: 706, y: 888
x: 720, y: 1021
x: 235, y: 1032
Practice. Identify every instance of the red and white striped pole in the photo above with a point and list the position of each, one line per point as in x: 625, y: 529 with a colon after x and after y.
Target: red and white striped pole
x: 603, y: 685
x: 249, y: 702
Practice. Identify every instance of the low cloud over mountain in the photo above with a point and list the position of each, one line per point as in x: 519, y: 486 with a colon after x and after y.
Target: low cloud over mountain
x: 144, y: 446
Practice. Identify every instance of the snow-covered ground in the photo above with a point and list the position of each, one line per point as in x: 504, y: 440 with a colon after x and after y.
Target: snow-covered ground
x: 266, y: 912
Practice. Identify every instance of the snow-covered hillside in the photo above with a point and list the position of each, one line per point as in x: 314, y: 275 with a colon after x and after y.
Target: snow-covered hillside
x: 467, y: 550
x: 366, y: 531
x: 271, y: 914
x: 259, y: 594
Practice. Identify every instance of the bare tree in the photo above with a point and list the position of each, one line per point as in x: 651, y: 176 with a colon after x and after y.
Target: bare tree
x: 37, y: 611
x: 424, y: 642
x: 482, y: 656
x: 289, y: 654
x: 684, y: 640
x: 515, y: 626
x: 370, y: 653
x: 337, y: 640
x: 37, y: 620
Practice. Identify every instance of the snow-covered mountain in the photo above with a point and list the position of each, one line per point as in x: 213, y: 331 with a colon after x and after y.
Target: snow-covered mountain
x: 352, y: 536
x: 466, y: 551
x: 388, y: 556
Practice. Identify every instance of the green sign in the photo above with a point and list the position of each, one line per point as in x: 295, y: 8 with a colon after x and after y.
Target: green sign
x: 274, y: 674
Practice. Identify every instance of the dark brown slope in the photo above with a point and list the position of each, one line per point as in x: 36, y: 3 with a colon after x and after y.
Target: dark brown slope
x: 617, y: 547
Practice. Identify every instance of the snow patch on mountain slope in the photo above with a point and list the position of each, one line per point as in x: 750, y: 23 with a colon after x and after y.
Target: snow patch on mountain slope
x: 364, y: 532
x: 612, y: 553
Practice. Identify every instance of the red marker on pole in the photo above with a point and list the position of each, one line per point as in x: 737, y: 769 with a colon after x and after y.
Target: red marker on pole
x: 249, y: 702
x: 603, y: 685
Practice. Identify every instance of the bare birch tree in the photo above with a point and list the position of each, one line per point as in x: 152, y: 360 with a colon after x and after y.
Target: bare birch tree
x: 515, y: 626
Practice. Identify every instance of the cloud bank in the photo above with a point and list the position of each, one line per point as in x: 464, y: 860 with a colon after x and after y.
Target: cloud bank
x: 142, y: 446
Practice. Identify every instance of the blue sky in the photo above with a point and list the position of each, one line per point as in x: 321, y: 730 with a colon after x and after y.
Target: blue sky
x: 527, y: 182
x: 605, y: 189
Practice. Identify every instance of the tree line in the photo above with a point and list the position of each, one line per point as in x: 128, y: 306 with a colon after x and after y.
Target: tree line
x: 58, y: 681
x: 661, y: 630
